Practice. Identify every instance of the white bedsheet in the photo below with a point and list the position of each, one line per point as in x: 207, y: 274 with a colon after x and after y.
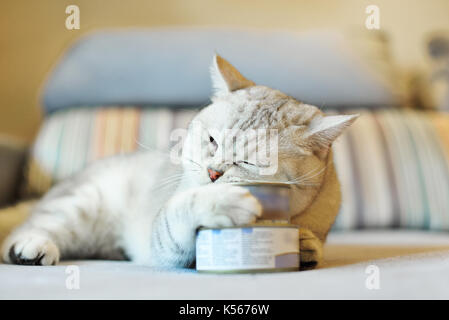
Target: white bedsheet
x: 411, y: 264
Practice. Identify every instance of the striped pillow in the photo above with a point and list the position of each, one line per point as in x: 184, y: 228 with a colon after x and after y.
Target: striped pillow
x: 393, y: 165
x: 69, y: 140
x: 394, y: 171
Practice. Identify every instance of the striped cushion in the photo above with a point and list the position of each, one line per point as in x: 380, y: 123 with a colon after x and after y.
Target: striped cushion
x: 393, y: 165
x: 71, y: 139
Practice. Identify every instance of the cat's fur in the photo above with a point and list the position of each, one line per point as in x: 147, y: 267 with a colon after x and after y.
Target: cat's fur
x: 114, y: 209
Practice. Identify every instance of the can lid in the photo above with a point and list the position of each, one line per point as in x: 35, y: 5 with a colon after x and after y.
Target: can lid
x: 255, y: 225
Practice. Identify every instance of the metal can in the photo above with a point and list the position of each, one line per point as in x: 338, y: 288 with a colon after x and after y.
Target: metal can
x: 256, y: 248
x: 269, y: 245
x: 274, y: 197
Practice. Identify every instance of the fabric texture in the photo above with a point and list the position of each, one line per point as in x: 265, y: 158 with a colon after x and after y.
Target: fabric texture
x: 394, y: 171
x: 412, y: 265
x: 171, y: 66
x: 393, y: 165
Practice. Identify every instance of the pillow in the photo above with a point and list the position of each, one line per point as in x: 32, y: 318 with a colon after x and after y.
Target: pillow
x: 393, y: 165
x: 170, y: 66
x: 71, y: 139
x: 394, y: 171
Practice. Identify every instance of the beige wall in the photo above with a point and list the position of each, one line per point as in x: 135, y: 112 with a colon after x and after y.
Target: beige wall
x: 33, y: 33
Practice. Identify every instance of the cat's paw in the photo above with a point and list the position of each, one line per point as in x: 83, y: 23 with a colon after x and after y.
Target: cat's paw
x: 228, y: 205
x: 311, y: 249
x: 31, y: 250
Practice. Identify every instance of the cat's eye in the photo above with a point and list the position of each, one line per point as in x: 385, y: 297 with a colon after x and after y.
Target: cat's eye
x: 214, y: 143
x: 245, y: 162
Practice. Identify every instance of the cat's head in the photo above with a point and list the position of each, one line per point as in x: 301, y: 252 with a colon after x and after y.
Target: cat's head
x: 226, y: 141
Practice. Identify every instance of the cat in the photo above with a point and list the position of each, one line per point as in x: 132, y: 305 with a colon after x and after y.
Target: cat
x: 113, y: 210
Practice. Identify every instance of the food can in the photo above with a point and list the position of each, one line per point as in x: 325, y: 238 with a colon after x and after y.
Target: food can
x: 271, y: 244
x: 274, y: 198
x: 255, y: 248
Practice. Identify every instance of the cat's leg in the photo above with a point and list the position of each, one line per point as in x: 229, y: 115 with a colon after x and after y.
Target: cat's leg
x: 30, y: 246
x: 311, y: 249
x: 213, y: 205
x: 62, y: 224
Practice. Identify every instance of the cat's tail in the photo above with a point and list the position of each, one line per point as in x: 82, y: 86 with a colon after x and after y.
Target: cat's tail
x: 12, y: 217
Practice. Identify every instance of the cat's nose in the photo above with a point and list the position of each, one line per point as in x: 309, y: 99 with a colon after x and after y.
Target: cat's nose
x: 214, y: 174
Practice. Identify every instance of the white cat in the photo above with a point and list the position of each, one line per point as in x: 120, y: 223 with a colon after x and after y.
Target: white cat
x: 113, y: 209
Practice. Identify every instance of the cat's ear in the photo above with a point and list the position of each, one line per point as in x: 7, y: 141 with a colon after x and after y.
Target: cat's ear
x: 226, y: 78
x: 323, y: 130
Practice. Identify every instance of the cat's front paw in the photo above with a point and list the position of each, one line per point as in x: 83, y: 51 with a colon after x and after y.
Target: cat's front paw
x: 311, y: 249
x: 228, y: 205
x: 31, y: 250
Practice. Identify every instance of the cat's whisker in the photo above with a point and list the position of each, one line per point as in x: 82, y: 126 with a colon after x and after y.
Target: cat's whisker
x: 150, y: 148
x: 172, y: 177
x: 192, y: 161
x: 175, y: 176
x: 167, y: 183
x: 304, y: 175
x: 165, y: 153
x: 307, y: 184
x: 140, y: 144
x: 311, y: 174
x: 308, y: 179
x: 300, y: 183
x: 307, y: 175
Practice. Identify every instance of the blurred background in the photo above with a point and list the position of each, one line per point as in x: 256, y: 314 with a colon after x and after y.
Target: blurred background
x: 33, y: 34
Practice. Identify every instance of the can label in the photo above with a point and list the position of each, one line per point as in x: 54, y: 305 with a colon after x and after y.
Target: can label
x: 247, y: 248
